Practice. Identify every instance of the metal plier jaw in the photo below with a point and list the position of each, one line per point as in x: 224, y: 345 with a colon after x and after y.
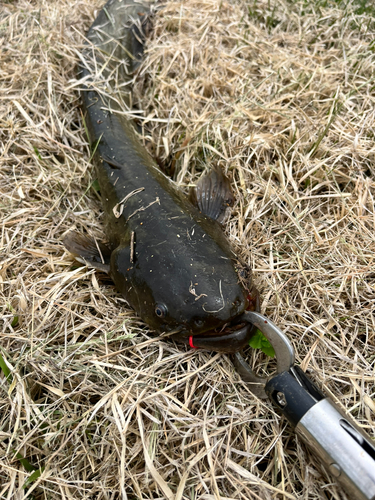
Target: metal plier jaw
x: 283, y: 349
x: 347, y: 452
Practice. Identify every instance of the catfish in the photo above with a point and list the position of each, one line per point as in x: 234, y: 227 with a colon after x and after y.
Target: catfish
x: 167, y: 252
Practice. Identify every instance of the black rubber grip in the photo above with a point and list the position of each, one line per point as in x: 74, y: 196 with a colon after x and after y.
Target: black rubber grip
x: 289, y: 396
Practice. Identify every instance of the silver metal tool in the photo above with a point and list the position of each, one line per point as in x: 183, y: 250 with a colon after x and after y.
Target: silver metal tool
x: 283, y: 349
x: 347, y: 452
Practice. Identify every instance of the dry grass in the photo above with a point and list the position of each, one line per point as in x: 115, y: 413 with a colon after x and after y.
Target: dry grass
x: 280, y: 94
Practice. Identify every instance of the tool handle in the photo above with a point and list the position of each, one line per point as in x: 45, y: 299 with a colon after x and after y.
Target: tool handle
x: 346, y: 451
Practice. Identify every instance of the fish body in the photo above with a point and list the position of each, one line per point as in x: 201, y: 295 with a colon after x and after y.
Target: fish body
x: 170, y: 261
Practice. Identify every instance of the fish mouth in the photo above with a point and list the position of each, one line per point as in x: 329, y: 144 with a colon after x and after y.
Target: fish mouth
x: 230, y: 338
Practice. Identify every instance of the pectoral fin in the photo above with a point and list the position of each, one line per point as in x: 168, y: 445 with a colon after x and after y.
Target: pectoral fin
x: 88, y: 251
x: 213, y: 195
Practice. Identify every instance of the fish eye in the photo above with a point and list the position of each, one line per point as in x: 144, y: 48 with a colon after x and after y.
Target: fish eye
x: 161, y: 310
x: 198, y: 323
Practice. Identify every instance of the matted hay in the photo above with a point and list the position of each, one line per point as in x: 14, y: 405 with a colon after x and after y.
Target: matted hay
x: 281, y: 96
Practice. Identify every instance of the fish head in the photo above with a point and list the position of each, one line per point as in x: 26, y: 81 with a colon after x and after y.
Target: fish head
x: 186, y: 295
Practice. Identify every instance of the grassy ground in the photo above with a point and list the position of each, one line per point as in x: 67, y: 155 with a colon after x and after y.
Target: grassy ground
x: 280, y: 94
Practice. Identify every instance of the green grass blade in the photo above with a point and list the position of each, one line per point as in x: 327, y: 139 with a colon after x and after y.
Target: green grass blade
x: 27, y: 465
x: 33, y: 477
x: 4, y: 368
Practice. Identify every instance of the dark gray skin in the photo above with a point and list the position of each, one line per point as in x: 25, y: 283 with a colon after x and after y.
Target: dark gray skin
x: 171, y: 262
